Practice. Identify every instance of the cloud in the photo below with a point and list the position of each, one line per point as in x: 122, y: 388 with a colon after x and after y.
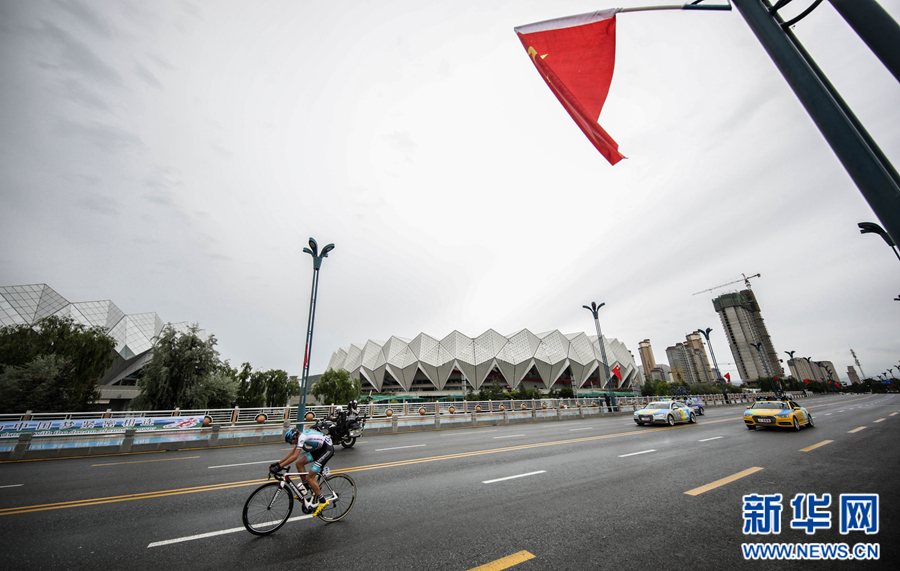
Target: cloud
x: 106, y: 137
x: 75, y: 57
x: 91, y: 19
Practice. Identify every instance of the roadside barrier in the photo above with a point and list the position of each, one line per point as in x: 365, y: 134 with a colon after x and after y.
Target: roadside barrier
x: 234, y: 427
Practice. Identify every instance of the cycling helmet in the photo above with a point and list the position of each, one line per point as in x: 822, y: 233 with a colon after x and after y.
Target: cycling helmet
x: 290, y: 435
x: 338, y: 409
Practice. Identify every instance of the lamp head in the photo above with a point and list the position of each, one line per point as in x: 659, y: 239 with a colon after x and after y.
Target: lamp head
x: 872, y: 228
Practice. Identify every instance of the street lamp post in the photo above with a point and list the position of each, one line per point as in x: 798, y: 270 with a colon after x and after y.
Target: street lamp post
x: 594, y: 308
x: 317, y: 257
x: 758, y: 347
x: 719, y: 378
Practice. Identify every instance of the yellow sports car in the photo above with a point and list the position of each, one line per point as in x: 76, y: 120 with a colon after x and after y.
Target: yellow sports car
x: 780, y: 413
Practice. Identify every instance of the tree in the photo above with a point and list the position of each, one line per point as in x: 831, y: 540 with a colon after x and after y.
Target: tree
x: 53, y: 366
x: 264, y: 388
x: 251, y: 388
x: 184, y: 371
x: 335, y: 387
x: 280, y: 388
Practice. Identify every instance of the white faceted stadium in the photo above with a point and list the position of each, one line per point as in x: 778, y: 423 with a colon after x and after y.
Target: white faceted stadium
x: 522, y: 360
x: 134, y: 333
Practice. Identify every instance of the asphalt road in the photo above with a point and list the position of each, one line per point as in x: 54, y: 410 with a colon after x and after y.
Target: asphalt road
x: 581, y: 494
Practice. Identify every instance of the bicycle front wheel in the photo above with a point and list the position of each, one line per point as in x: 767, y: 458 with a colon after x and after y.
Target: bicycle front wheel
x: 340, y: 489
x: 267, y: 508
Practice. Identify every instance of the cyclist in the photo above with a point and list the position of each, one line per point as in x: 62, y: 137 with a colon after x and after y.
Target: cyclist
x: 310, y: 446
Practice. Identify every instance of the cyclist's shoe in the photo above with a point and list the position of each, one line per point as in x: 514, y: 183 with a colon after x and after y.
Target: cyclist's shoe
x: 322, y: 505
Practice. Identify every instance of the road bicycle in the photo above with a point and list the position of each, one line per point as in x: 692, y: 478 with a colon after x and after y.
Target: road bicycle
x: 270, y: 505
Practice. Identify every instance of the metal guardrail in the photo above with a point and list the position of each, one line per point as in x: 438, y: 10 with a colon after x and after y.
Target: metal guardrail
x: 255, y: 425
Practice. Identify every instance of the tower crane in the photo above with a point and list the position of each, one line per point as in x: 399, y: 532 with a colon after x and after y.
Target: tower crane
x: 746, y: 280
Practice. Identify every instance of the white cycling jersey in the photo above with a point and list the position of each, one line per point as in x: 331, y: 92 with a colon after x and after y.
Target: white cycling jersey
x: 310, y: 440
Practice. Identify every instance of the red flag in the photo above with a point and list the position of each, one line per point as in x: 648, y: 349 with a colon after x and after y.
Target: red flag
x: 576, y: 56
x: 617, y: 372
x: 306, y: 356
x: 728, y: 377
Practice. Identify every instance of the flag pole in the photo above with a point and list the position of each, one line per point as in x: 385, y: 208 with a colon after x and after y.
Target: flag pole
x: 692, y: 6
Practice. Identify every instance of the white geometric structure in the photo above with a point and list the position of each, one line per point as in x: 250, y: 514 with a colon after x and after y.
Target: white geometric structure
x: 523, y: 358
x: 134, y: 334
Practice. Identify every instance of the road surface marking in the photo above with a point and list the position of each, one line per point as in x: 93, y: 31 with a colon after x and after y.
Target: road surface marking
x: 879, y: 420
x: 400, y: 447
x: 244, y: 464
x: 12, y: 486
x: 857, y: 429
x: 513, y: 478
x: 510, y: 436
x: 574, y: 429
x: 722, y: 482
x: 396, y: 464
x: 814, y: 446
x: 636, y: 453
x: 142, y: 461
x: 708, y: 439
x: 505, y: 563
x: 894, y: 413
x: 454, y: 433
x: 214, y: 533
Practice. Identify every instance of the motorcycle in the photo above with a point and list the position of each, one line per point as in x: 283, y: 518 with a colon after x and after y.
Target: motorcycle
x: 343, y: 431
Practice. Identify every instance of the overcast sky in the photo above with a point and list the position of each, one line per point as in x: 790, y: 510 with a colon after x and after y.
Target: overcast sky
x: 175, y: 156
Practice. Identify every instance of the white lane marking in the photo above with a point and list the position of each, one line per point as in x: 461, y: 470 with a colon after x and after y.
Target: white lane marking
x: 468, y: 432
x: 214, y: 533
x: 513, y: 477
x: 574, y: 429
x: 713, y: 438
x: 244, y: 464
x: 399, y: 447
x: 636, y: 453
x: 12, y: 486
x: 510, y: 436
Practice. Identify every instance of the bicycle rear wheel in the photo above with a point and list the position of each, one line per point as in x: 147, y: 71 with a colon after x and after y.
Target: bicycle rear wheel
x: 340, y: 490
x: 267, y: 508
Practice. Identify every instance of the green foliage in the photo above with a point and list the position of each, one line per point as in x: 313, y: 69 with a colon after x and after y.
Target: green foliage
x: 566, y: 393
x: 251, y: 388
x: 54, y: 366
x: 336, y: 387
x: 280, y: 388
x: 184, y: 371
x: 656, y: 388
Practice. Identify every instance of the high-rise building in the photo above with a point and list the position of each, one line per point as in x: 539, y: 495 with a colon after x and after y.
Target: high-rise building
x: 698, y: 355
x: 690, y: 359
x: 803, y: 369
x: 743, y: 323
x: 646, y: 353
x: 682, y: 362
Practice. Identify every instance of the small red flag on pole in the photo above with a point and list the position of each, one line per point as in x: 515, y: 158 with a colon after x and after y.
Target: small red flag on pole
x: 617, y: 372
x: 728, y: 377
x: 576, y: 56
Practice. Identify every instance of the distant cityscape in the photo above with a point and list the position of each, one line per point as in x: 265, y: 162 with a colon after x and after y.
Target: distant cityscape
x: 425, y: 364
x: 750, y: 344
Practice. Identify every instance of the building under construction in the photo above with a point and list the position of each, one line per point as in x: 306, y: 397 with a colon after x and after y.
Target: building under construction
x: 744, y: 326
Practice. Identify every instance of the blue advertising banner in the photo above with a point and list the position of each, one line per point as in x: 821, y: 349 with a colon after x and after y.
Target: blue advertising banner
x: 98, y: 425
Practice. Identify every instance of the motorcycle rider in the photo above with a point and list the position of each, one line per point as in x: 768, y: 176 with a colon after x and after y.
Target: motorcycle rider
x: 340, y: 422
x: 309, y: 446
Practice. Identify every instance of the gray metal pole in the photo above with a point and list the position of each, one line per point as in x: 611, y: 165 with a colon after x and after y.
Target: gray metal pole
x: 875, y: 26
x: 313, y: 251
x: 870, y: 176
x: 594, y: 308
